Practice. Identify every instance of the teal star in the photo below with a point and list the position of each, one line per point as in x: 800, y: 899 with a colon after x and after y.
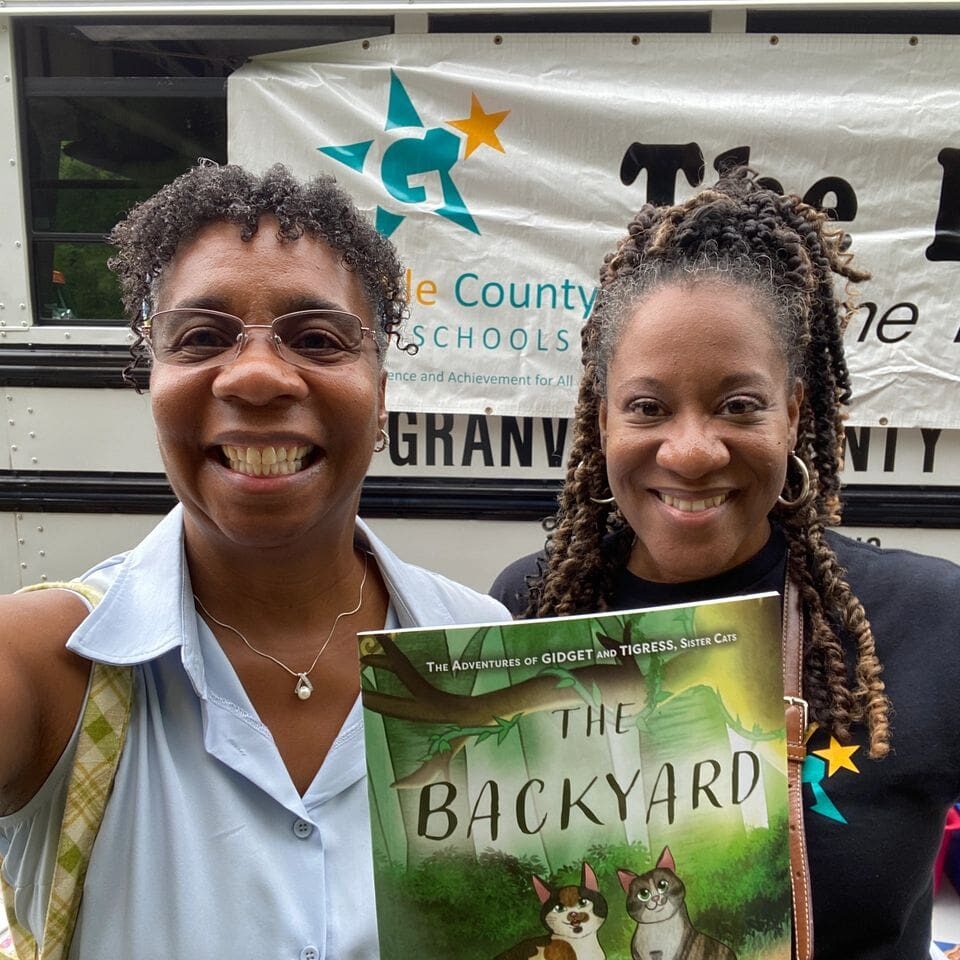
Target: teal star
x: 437, y: 151
x: 814, y: 773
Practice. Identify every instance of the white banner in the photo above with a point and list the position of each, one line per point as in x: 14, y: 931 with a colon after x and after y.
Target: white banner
x: 504, y: 168
x: 538, y: 448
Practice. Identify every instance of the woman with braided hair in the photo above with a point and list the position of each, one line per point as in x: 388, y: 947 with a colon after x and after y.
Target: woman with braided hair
x: 707, y: 446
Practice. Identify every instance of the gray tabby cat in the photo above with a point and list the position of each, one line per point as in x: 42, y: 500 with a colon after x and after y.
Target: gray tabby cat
x: 655, y: 899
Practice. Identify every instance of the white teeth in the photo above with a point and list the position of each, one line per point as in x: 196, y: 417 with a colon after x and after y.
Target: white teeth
x: 693, y: 506
x: 265, y: 461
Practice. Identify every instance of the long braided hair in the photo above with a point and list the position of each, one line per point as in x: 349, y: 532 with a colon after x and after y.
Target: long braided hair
x: 787, y: 257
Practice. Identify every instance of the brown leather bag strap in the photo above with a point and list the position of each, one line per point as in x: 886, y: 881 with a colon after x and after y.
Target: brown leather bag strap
x: 796, y: 725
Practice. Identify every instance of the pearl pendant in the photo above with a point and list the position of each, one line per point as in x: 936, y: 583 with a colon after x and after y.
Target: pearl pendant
x: 304, y: 687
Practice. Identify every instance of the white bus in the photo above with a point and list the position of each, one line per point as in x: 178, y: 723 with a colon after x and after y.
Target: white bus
x: 102, y: 102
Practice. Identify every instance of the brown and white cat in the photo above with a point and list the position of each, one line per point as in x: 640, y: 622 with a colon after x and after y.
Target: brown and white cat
x: 655, y: 899
x: 573, y: 915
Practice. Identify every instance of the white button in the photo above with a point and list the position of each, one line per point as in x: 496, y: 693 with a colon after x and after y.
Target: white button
x: 310, y: 952
x: 303, y: 829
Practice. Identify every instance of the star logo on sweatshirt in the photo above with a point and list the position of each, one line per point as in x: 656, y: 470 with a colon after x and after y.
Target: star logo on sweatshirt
x: 819, y: 766
x: 838, y: 757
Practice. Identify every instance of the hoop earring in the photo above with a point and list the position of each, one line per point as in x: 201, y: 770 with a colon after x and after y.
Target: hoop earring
x: 600, y: 501
x: 805, y: 489
x: 382, y: 441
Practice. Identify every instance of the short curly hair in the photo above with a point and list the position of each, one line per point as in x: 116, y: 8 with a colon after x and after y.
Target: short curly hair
x: 152, y: 232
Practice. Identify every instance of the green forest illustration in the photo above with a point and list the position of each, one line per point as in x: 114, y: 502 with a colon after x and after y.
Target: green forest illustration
x: 499, y: 753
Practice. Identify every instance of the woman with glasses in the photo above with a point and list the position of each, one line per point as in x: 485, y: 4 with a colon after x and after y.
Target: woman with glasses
x: 237, y: 825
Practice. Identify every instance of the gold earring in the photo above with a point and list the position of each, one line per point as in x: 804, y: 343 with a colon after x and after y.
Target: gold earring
x: 805, y: 489
x: 603, y: 502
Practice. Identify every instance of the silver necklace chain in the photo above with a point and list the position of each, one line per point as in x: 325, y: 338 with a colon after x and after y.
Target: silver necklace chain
x: 304, y: 687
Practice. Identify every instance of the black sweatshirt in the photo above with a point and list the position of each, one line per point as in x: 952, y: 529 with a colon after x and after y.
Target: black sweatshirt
x: 873, y: 827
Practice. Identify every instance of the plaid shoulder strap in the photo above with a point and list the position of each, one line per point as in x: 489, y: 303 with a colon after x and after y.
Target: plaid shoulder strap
x: 103, y: 729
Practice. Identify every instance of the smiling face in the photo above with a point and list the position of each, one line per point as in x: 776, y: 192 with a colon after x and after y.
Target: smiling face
x: 259, y: 451
x: 699, y: 418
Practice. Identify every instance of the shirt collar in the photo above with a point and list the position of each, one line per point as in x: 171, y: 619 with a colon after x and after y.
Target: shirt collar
x: 149, y: 610
x: 148, y: 605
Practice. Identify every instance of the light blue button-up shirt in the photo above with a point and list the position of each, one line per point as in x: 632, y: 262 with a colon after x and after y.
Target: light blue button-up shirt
x: 206, y: 848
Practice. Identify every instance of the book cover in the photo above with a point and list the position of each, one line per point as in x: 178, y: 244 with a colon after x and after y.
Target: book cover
x: 602, y: 786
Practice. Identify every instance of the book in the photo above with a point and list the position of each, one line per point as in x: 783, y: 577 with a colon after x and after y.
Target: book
x: 605, y: 786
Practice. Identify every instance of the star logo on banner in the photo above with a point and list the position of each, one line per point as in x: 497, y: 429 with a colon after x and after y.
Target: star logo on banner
x: 406, y: 160
x: 838, y: 757
x: 480, y: 127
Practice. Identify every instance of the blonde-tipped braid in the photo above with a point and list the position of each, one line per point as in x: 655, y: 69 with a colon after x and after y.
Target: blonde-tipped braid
x: 784, y: 252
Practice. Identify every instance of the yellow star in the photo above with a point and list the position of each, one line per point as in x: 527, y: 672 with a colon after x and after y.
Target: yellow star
x: 838, y: 756
x: 480, y: 127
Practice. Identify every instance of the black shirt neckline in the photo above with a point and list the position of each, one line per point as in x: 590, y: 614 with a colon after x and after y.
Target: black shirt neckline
x: 763, y: 571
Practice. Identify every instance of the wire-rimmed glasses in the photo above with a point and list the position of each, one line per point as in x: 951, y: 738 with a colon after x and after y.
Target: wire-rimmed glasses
x: 189, y: 337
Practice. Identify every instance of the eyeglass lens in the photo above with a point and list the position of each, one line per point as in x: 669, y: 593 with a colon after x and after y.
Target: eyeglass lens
x: 197, y: 337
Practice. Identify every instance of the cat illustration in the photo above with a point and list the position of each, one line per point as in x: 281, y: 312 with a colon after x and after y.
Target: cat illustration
x: 573, y: 915
x: 655, y: 899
